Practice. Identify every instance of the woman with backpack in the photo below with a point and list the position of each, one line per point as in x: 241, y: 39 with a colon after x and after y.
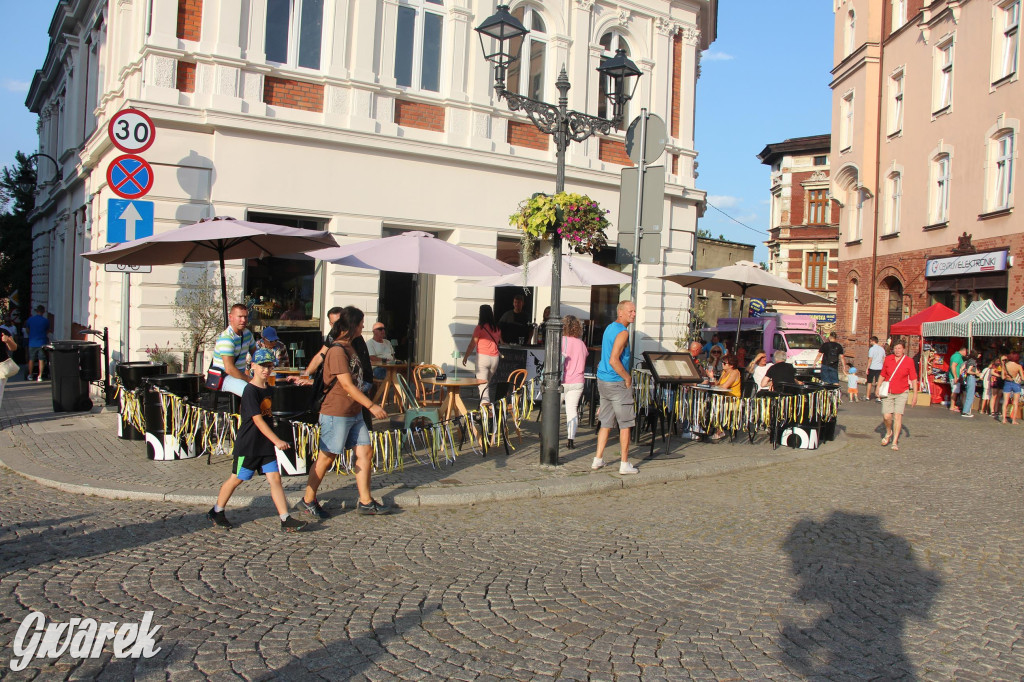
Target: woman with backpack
x: 341, y: 421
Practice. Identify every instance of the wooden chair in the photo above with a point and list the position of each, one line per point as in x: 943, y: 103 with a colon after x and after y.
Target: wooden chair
x: 427, y: 395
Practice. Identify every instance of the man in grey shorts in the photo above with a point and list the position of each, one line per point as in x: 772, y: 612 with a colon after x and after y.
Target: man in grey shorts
x: 615, y: 386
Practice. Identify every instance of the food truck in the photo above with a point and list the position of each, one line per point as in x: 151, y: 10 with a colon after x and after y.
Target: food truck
x: 795, y: 334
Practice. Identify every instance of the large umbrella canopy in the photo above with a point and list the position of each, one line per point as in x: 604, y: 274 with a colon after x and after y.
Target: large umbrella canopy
x: 416, y: 252
x: 576, y: 272
x: 962, y: 325
x: 747, y: 280
x: 213, y: 239
x: 912, y: 325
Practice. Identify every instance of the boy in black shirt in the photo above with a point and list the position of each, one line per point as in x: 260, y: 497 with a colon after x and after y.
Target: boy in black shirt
x: 254, y: 446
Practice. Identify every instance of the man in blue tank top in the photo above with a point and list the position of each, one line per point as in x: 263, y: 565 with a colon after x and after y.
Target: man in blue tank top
x: 615, y: 386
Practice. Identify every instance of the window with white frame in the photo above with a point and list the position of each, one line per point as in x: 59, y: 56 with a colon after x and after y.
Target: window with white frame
x: 851, y: 32
x: 846, y: 122
x: 418, y: 39
x: 816, y: 270
x: 294, y: 32
x: 940, y: 200
x: 943, y: 75
x: 817, y: 207
x: 853, y: 304
x: 892, y: 213
x: 899, y: 13
x: 1002, y: 171
x: 1009, y: 41
x: 857, y: 217
x: 610, y: 41
x: 896, y: 102
x: 531, y: 56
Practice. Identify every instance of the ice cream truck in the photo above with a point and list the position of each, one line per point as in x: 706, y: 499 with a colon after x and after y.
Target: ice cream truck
x: 795, y: 334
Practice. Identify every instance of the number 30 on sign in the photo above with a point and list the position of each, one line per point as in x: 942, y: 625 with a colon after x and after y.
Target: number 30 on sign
x: 131, y: 131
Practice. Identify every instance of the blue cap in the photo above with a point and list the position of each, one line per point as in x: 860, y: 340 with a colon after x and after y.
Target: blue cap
x: 264, y: 356
x: 270, y: 334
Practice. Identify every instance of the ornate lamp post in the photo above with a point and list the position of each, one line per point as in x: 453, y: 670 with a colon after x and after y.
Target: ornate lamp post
x: 501, y: 37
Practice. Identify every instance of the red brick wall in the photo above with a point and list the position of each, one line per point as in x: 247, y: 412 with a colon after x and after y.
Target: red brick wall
x: 908, y: 268
x: 677, y: 82
x: 187, y: 76
x: 292, y: 94
x: 526, y: 135
x: 613, y: 151
x: 914, y: 7
x: 419, y: 115
x: 190, y: 19
x: 798, y: 195
x: 675, y: 164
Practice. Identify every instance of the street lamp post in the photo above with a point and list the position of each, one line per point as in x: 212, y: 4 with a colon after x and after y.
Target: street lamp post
x: 501, y: 37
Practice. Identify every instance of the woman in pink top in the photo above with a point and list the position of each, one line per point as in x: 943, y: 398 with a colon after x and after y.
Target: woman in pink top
x: 486, y: 338
x: 574, y: 357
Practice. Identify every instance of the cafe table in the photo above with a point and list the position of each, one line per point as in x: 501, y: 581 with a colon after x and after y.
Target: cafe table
x: 453, y: 405
x: 389, y: 388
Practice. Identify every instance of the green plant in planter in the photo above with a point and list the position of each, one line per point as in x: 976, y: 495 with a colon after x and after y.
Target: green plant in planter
x: 165, y: 355
x: 576, y: 218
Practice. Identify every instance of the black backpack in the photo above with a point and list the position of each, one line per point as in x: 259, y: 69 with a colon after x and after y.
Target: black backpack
x: 320, y: 391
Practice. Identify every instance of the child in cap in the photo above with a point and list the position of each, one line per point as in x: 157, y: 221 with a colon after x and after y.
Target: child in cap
x: 852, y: 392
x: 254, y: 446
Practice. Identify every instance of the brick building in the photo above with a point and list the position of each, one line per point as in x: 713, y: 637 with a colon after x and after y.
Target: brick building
x: 803, y: 239
x: 360, y: 117
x: 926, y: 158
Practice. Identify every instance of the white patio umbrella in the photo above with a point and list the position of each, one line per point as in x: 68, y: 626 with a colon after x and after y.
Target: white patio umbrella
x: 577, y: 271
x: 213, y: 239
x: 415, y: 252
x: 747, y: 279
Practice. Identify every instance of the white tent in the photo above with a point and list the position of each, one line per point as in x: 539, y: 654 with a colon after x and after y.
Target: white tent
x: 965, y: 325
x: 1011, y: 325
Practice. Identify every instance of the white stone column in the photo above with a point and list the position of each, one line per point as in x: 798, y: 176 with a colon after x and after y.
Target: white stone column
x: 164, y: 24
x: 221, y: 30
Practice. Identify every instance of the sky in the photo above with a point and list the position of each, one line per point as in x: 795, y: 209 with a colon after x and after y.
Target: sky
x: 765, y: 79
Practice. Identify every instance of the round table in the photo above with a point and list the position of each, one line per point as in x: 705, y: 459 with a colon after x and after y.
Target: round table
x: 389, y: 388
x: 452, y: 402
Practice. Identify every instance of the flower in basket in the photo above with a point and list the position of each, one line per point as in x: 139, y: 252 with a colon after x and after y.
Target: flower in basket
x: 165, y: 355
x: 576, y: 218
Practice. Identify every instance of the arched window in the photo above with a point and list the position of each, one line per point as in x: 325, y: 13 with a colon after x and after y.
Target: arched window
x: 531, y: 56
x: 854, y: 295
x: 895, y: 288
x: 611, y: 41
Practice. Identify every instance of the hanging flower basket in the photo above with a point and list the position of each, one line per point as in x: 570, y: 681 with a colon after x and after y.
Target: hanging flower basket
x: 576, y: 218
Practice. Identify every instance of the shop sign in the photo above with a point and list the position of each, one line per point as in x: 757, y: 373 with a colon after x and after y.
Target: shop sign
x: 822, y: 318
x: 993, y: 261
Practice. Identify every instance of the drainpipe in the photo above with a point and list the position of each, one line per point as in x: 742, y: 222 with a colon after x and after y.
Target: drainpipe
x: 877, y: 199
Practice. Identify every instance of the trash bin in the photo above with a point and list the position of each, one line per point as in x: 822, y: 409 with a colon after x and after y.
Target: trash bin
x: 799, y: 429
x: 132, y: 375
x: 160, y: 445
x: 827, y: 427
x: 73, y: 364
x: 290, y: 402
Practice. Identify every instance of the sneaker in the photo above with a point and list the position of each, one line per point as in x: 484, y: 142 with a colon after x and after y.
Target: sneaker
x: 313, y: 509
x: 292, y: 525
x: 627, y: 468
x: 967, y: 415
x: 597, y: 463
x: 218, y: 518
x: 375, y: 508
x: 39, y: 378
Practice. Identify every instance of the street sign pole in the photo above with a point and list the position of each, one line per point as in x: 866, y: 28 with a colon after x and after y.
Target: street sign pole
x: 634, y: 283
x: 125, y: 312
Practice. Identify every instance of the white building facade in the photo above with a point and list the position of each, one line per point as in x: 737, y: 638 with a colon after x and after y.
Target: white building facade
x: 360, y: 117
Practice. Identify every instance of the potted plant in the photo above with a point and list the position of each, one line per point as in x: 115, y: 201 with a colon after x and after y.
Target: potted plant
x: 166, y: 356
x: 576, y: 218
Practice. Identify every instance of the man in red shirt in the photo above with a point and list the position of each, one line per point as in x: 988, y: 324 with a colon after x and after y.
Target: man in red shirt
x: 899, y: 371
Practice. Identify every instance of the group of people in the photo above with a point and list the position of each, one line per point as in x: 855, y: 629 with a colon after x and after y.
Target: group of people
x: 345, y: 419
x: 997, y: 382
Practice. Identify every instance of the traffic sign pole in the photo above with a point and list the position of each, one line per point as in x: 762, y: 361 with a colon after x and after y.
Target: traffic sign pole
x: 639, y: 221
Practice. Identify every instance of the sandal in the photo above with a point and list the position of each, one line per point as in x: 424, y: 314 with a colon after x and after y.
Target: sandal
x: 887, y: 440
x: 895, y: 447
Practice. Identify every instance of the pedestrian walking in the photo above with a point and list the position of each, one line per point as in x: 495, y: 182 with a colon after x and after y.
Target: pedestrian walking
x: 899, y: 371
x: 37, y: 329
x: 254, y: 446
x: 852, y: 390
x: 831, y: 357
x: 971, y: 375
x: 876, y: 356
x: 615, y: 386
x: 1013, y: 377
x: 574, y: 358
x: 486, y: 339
x: 956, y: 369
x: 341, y: 423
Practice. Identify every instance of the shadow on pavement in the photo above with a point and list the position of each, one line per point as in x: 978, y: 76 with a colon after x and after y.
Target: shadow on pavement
x: 868, y: 583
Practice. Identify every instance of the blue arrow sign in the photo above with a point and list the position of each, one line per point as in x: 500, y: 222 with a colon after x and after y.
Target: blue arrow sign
x: 128, y: 220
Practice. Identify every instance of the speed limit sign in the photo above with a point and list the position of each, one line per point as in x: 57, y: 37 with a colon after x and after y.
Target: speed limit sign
x: 131, y: 131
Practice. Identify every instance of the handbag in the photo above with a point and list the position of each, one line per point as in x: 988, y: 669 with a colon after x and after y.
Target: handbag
x: 8, y: 368
x: 215, y: 378
x: 883, y: 386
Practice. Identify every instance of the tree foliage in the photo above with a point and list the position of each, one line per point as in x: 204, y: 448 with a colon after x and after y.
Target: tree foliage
x: 199, y: 310
x: 17, y: 199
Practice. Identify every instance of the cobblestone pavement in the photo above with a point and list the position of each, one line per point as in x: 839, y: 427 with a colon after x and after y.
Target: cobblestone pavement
x: 856, y: 564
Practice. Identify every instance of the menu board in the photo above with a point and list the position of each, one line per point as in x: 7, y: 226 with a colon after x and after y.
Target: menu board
x: 676, y: 368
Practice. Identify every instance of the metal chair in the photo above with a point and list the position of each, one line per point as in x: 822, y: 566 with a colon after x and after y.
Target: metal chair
x: 427, y: 395
x: 516, y: 380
